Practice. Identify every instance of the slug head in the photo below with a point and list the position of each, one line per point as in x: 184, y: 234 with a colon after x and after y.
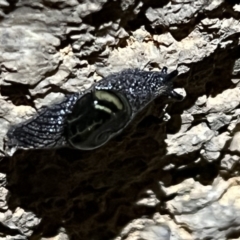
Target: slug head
x: 140, y: 87
x: 163, y: 84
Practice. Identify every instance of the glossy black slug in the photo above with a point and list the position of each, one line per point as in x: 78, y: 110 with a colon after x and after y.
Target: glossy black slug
x: 90, y: 119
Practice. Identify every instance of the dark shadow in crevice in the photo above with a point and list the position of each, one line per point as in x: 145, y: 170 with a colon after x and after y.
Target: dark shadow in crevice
x: 18, y: 94
x: 11, y: 7
x: 173, y: 125
x: 141, y: 19
x: 6, y: 231
x: 181, y: 31
x: 232, y: 2
x: 201, y: 171
x: 234, y: 234
x: 112, y: 11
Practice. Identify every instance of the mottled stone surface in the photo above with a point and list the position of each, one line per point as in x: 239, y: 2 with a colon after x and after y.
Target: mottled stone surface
x: 174, y: 174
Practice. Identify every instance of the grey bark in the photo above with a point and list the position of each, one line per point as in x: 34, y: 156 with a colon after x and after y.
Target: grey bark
x: 174, y: 172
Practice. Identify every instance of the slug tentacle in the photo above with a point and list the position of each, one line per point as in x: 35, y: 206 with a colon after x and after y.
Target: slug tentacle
x: 164, y: 70
x: 176, y: 95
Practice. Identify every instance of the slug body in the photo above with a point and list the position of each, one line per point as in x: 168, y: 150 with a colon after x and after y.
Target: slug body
x: 88, y: 120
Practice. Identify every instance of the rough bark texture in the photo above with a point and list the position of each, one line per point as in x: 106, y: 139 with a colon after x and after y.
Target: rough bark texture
x: 174, y: 173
